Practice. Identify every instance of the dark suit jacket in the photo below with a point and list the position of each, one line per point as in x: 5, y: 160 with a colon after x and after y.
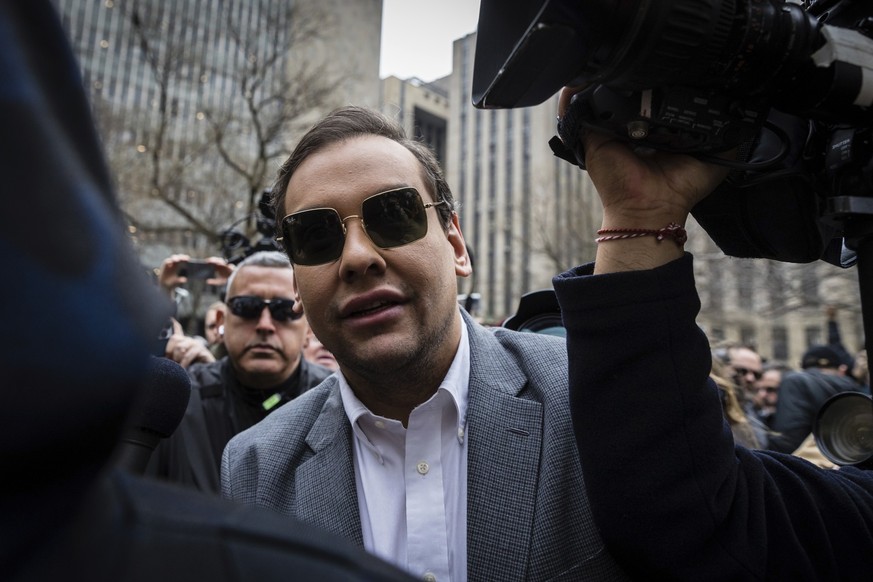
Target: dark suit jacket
x: 527, y: 516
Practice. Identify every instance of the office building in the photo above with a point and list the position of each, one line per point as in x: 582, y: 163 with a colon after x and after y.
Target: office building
x: 525, y: 213
x: 198, y: 101
x: 422, y: 108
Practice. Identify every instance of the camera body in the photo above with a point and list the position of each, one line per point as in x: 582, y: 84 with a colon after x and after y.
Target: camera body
x: 538, y: 312
x: 787, y: 83
x: 197, y: 269
x: 696, y: 68
x: 236, y: 246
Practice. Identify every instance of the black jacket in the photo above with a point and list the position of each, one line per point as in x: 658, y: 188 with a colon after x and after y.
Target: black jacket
x: 673, y: 497
x: 801, y: 394
x: 221, y: 407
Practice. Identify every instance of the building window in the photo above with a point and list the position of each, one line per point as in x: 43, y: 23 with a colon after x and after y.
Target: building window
x: 813, y: 335
x: 431, y: 129
x: 809, y: 286
x: 748, y: 337
x: 745, y: 282
x: 780, y: 343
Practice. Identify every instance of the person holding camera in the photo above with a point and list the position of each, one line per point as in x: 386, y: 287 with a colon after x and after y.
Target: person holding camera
x: 174, y: 272
x: 178, y: 269
x: 672, y: 495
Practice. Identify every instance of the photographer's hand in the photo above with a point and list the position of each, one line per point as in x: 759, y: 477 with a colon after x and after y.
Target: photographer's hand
x: 168, y: 273
x: 222, y: 271
x: 186, y: 350
x: 642, y: 190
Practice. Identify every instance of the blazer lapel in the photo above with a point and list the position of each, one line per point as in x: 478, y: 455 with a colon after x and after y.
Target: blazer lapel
x: 326, y: 491
x: 503, y: 458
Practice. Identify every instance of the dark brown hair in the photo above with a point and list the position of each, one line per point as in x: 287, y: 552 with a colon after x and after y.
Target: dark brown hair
x: 349, y: 122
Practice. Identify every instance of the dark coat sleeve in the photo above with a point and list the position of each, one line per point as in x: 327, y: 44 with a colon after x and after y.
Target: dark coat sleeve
x: 672, y: 495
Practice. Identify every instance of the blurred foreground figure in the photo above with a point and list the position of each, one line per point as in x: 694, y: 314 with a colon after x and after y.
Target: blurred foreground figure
x: 85, y: 319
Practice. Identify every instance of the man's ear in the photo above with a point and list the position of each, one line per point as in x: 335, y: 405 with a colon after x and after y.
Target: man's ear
x: 463, y: 264
x: 298, y: 303
x: 220, y: 319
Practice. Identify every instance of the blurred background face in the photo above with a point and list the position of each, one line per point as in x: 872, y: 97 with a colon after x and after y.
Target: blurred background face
x: 767, y: 389
x: 315, y: 352
x: 747, y: 366
x: 264, y: 352
x: 210, y: 325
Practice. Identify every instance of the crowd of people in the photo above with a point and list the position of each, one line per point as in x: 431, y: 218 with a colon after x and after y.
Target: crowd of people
x: 750, y: 385
x: 448, y: 450
x: 255, y: 355
x: 414, y: 375
x: 774, y: 406
x: 260, y: 351
x: 86, y: 322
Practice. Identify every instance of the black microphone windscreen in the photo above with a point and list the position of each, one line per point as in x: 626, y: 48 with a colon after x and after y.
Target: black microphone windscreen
x: 163, y: 398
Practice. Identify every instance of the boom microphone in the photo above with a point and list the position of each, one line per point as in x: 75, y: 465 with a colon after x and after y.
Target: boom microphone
x: 155, y: 415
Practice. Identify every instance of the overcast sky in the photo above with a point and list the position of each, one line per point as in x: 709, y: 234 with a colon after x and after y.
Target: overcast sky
x: 417, y: 36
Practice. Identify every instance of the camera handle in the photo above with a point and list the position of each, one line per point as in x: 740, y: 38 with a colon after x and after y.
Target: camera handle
x: 856, y: 215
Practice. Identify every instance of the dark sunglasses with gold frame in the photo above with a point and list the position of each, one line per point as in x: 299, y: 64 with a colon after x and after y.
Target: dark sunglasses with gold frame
x: 390, y: 219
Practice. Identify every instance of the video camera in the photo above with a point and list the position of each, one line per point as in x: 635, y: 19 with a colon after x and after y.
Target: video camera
x: 236, y: 246
x: 538, y: 312
x: 843, y: 429
x: 790, y: 84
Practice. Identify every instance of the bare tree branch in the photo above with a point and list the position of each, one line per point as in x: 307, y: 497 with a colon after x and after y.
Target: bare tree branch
x: 210, y: 131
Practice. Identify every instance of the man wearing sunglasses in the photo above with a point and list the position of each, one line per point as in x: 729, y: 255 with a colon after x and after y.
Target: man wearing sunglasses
x: 745, y: 366
x: 670, y: 491
x: 264, y: 368
x: 440, y: 445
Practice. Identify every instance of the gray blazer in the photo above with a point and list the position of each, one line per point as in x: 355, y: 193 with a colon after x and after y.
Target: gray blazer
x: 528, y: 516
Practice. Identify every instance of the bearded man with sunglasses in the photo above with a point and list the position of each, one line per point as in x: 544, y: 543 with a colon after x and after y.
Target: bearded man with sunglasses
x: 264, y: 368
x: 440, y: 445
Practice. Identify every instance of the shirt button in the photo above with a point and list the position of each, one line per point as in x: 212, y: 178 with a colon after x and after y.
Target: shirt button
x: 380, y: 424
x: 429, y: 577
x: 423, y: 468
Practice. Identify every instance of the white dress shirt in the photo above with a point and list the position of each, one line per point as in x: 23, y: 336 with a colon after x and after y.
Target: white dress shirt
x: 412, y: 482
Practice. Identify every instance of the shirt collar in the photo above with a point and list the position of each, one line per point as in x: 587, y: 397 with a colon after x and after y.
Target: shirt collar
x: 456, y: 383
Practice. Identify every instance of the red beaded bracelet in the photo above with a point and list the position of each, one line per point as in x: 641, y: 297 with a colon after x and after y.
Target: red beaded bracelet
x: 672, y: 230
